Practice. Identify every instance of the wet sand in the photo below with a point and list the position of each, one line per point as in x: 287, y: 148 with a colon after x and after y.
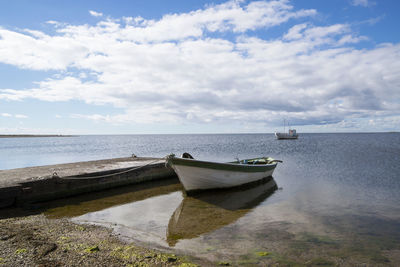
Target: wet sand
x: 37, y: 241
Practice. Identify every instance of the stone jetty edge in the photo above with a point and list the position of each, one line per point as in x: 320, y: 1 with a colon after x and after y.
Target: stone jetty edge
x: 43, y: 183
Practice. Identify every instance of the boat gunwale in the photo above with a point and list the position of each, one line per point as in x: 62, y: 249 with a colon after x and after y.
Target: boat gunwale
x: 224, y: 166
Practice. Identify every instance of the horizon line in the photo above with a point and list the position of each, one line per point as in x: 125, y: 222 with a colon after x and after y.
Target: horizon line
x: 92, y: 134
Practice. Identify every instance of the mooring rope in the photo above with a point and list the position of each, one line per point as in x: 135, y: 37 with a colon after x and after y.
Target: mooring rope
x: 55, y: 175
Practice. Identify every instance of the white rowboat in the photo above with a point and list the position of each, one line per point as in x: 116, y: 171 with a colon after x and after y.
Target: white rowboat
x: 200, y: 175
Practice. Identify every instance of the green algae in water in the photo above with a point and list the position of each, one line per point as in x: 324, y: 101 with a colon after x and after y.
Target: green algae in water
x: 92, y: 249
x: 262, y: 253
x: 20, y: 251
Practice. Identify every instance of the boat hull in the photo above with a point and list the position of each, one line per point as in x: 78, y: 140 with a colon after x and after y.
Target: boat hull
x: 285, y: 136
x: 202, y: 175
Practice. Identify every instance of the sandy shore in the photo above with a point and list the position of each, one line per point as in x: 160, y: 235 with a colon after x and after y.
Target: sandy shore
x: 37, y: 241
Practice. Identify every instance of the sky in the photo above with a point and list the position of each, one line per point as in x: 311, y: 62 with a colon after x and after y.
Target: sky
x: 196, y: 66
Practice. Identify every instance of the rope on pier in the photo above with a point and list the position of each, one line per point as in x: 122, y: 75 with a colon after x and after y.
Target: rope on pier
x: 55, y: 175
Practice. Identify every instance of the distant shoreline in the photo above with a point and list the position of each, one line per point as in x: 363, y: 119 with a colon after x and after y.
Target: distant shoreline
x: 33, y: 135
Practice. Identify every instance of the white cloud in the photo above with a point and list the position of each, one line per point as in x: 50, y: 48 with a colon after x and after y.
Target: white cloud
x: 95, y: 14
x: 372, y: 21
x: 21, y: 116
x: 364, y: 3
x: 18, y: 116
x: 173, y: 70
x: 39, y: 51
x: 295, y: 32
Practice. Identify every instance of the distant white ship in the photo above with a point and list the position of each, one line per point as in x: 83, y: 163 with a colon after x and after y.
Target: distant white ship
x: 292, y: 134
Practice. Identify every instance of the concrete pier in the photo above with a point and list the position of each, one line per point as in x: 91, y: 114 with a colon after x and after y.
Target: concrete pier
x: 18, y: 186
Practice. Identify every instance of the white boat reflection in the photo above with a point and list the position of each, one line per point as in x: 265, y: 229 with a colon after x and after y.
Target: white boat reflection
x: 209, y: 211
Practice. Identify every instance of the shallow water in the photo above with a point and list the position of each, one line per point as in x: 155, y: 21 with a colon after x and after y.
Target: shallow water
x: 337, y: 200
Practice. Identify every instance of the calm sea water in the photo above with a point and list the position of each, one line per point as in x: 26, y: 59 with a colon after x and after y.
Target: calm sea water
x: 337, y: 201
